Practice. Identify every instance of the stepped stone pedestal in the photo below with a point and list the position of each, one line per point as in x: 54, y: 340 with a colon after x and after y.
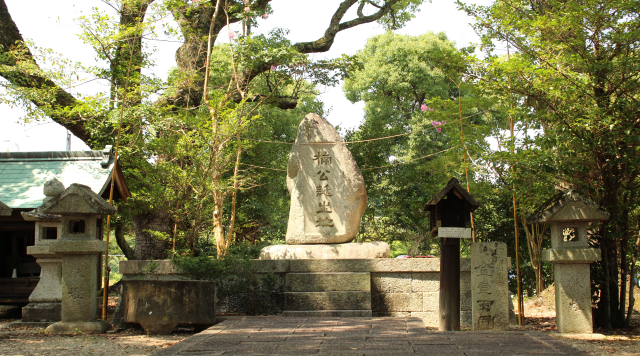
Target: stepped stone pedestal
x: 569, y: 215
x: 329, y: 294
x: 376, y: 249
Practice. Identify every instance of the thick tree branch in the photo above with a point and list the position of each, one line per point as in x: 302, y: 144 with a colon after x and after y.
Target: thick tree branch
x: 191, y: 56
x: 60, y: 109
x: 324, y: 43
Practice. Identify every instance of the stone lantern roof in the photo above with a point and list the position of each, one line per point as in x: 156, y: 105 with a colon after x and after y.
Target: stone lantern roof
x: 4, y: 209
x: 77, y: 199
x: 568, y: 206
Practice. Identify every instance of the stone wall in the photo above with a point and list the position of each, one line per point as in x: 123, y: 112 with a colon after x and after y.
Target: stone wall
x: 400, y: 287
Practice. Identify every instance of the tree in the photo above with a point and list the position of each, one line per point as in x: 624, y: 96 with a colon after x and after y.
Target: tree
x: 95, y: 119
x: 574, y: 69
x: 414, y: 93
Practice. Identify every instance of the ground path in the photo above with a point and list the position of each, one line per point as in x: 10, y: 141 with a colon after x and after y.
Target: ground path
x: 359, y: 336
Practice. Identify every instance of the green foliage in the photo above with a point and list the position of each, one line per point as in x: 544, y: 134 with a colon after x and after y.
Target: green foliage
x: 412, y: 87
x: 567, y: 84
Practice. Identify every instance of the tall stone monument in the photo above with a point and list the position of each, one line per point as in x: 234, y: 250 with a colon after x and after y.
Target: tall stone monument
x: 78, y: 246
x: 328, y: 198
x: 569, y: 215
x: 489, y: 286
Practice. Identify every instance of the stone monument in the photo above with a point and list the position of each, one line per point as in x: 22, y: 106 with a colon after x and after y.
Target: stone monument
x: 569, y: 215
x: 78, y: 246
x: 328, y: 198
x: 45, y: 302
x: 489, y: 286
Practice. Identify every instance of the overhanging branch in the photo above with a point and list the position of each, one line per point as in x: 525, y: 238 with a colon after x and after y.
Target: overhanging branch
x: 60, y: 108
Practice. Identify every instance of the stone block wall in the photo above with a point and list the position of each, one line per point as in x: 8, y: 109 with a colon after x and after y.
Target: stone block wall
x: 399, y: 287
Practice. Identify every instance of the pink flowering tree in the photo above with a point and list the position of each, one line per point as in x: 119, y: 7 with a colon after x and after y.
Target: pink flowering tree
x: 408, y: 86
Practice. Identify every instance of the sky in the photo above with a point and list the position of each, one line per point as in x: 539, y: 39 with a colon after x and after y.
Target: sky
x: 53, y: 25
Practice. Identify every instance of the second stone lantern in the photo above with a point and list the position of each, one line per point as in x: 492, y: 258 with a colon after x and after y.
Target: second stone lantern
x: 569, y: 215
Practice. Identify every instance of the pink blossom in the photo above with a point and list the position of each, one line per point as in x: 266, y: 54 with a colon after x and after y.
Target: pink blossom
x: 273, y: 67
x: 424, y: 107
x: 437, y: 125
x: 231, y: 35
x: 247, y: 9
x: 246, y: 2
x: 265, y: 16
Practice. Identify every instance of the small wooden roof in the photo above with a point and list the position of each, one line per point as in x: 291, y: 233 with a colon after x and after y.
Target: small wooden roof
x: 568, y: 205
x: 454, y: 185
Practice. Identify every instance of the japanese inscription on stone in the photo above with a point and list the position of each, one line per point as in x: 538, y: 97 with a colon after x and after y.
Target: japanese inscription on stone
x: 489, y: 289
x: 328, y: 196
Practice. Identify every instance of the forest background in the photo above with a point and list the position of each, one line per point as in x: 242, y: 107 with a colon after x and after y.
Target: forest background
x: 547, y: 101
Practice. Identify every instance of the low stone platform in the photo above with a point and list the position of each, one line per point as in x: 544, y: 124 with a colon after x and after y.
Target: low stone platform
x: 359, y: 336
x: 365, y: 250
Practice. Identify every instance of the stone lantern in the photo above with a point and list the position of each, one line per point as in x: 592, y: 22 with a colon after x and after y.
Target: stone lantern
x: 569, y: 214
x: 79, y: 247
x: 45, y: 300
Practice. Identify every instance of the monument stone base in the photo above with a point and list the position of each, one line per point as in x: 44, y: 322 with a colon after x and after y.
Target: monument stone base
x: 98, y: 327
x: 365, y: 250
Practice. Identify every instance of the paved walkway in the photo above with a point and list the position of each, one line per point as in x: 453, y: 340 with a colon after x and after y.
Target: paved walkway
x: 358, y: 336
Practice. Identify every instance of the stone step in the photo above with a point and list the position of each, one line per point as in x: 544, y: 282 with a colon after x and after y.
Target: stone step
x: 328, y: 282
x: 328, y: 313
x: 305, y: 301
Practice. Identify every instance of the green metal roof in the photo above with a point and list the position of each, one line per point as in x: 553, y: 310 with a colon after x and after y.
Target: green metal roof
x: 23, y: 174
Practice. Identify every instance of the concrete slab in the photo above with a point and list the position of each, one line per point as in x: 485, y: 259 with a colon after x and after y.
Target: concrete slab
x: 352, y: 336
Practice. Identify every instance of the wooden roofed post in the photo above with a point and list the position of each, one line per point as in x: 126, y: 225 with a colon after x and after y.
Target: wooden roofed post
x: 569, y: 215
x: 450, y: 219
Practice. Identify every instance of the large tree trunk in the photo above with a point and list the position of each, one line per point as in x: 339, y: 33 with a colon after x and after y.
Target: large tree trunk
x: 128, y: 252
x: 149, y: 246
x: 632, y: 285
x: 535, y: 237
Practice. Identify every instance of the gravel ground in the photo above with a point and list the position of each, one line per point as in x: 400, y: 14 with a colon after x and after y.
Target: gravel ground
x: 30, y: 341
x: 33, y: 341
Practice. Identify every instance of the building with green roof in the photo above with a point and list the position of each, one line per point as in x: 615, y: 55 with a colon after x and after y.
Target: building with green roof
x: 22, y: 178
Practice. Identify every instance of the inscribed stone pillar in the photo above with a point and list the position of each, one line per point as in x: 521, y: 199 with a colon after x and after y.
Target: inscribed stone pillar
x: 328, y: 195
x: 489, y: 286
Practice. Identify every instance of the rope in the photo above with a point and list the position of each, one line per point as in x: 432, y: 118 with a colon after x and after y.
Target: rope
x: 410, y: 160
x: 365, y: 169
x: 359, y: 141
x: 273, y: 169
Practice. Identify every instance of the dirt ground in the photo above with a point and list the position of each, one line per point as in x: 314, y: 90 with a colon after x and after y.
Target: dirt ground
x: 34, y: 341
x: 539, y: 315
